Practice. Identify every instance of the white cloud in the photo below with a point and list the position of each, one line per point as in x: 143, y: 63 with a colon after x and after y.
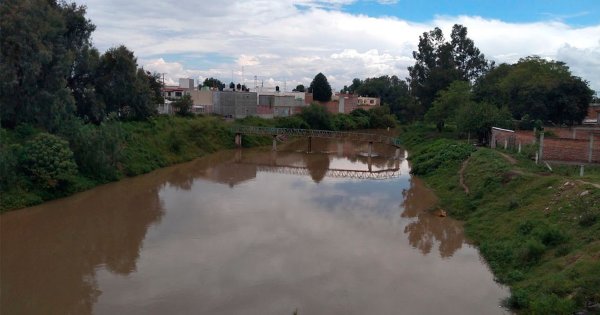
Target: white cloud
x: 290, y: 41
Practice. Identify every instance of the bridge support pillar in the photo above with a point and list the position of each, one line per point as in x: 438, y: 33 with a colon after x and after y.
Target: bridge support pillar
x: 397, y: 155
x: 238, y: 156
x: 274, y: 143
x: 370, y: 149
x: 238, y: 140
x: 309, y: 144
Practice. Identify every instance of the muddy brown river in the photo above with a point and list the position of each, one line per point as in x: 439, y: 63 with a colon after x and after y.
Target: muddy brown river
x: 248, y: 231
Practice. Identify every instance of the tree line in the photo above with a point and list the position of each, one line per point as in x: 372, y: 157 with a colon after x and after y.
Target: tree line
x: 452, y: 82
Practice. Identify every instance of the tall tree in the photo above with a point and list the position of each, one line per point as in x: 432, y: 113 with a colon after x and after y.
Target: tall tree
x: 471, y: 63
x: 82, y: 82
x: 438, y: 63
x: 123, y: 87
x: 39, y: 41
x: 320, y: 88
x: 540, y: 89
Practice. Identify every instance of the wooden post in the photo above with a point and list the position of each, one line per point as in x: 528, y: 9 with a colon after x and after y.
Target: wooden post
x: 274, y: 143
x: 309, y: 144
x: 370, y: 149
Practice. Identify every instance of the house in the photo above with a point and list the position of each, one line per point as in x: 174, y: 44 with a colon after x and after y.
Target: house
x: 203, y: 101
x: 234, y: 104
x: 368, y: 101
x: 171, y: 92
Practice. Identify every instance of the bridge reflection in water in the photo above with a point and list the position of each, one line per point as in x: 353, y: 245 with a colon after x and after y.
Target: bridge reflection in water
x: 336, y: 159
x: 338, y: 173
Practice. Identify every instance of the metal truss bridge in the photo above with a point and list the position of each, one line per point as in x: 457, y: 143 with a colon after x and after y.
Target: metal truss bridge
x: 310, y: 133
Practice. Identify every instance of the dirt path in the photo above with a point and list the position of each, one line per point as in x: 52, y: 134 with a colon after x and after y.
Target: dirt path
x: 509, y: 158
x: 589, y: 183
x: 461, y: 175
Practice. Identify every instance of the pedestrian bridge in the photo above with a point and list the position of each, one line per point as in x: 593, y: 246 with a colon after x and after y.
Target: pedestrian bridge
x: 312, y: 133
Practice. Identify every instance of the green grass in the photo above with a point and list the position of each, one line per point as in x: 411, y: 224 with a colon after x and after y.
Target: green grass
x: 538, y: 230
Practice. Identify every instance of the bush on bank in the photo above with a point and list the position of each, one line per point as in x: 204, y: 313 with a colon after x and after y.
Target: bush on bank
x: 538, y: 230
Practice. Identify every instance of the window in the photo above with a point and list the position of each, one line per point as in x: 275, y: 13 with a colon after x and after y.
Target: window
x: 178, y: 94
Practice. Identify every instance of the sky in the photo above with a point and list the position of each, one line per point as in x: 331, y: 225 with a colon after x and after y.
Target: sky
x: 287, y: 42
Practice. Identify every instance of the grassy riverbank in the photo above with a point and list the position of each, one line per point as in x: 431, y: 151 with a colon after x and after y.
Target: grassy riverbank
x: 539, y: 230
x: 90, y: 155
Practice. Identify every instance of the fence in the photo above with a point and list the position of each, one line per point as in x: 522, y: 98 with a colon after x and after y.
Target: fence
x: 580, y: 145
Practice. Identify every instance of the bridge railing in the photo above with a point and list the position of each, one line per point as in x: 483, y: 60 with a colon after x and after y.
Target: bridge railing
x: 296, y: 132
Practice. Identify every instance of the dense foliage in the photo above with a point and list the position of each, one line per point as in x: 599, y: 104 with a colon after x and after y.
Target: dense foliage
x: 393, y: 92
x: 438, y: 63
x: 320, y: 88
x: 540, y: 89
x: 51, y: 73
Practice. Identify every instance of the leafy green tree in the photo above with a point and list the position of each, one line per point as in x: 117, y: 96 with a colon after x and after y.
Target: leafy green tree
x: 447, y: 103
x: 380, y: 117
x: 183, y: 106
x: 479, y: 118
x: 300, y: 88
x: 393, y: 93
x: 123, y: 88
x: 317, y: 117
x: 214, y: 83
x: 356, y: 83
x: 320, y: 88
x: 541, y: 89
x: 48, y: 160
x: 82, y: 82
x: 156, y: 86
x: 96, y: 148
x: 438, y: 63
x: 232, y: 85
x: 40, y: 41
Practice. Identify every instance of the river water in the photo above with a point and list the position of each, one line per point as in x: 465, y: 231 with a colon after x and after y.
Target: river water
x: 248, y: 232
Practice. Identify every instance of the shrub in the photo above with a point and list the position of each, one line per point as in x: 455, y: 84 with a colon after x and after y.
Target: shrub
x: 48, y: 160
x: 291, y: 122
x: 552, y: 304
x: 441, y: 152
x: 550, y: 236
x: 526, y: 227
x: 519, y: 299
x: 96, y: 148
x: 532, y: 251
x: 588, y: 218
x: 317, y: 117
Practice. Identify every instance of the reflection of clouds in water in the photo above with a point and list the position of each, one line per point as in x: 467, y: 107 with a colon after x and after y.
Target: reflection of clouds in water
x: 282, y: 242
